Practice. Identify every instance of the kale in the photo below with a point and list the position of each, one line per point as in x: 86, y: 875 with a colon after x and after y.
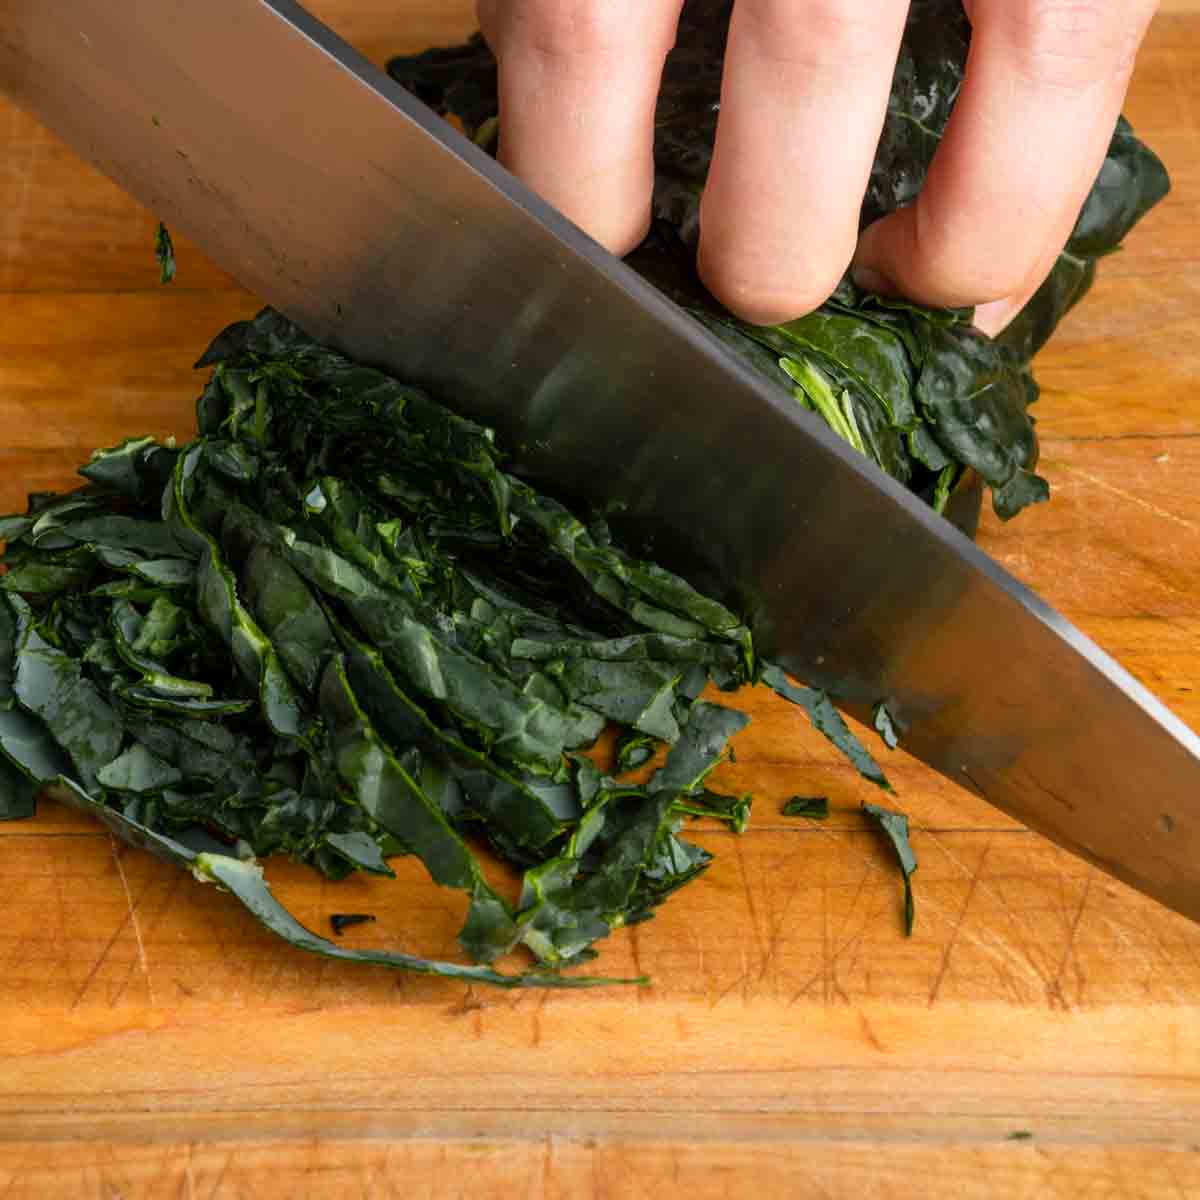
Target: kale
x: 924, y: 395
x: 885, y: 725
x: 816, y: 808
x: 340, y: 922
x: 894, y: 826
x: 304, y: 633
x: 827, y: 720
x: 164, y: 252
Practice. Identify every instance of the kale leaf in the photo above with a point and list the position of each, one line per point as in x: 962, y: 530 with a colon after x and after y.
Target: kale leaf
x: 164, y: 252
x: 894, y: 826
x: 816, y: 808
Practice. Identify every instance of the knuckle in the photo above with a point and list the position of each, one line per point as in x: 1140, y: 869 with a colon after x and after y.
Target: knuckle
x: 571, y: 29
x: 815, y: 32
x: 769, y: 300
x: 1075, y: 43
x: 980, y: 282
x: 619, y: 232
x: 958, y: 267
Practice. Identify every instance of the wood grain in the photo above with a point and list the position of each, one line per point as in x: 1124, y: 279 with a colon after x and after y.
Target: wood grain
x: 155, y: 1043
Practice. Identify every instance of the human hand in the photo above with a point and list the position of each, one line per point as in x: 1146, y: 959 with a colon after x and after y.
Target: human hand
x: 803, y: 101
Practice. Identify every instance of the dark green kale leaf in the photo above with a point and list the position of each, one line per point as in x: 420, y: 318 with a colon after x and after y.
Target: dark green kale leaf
x: 635, y: 749
x: 18, y: 795
x: 827, y: 720
x: 164, y: 251
x: 8, y: 653
x: 895, y: 826
x: 885, y: 725
x: 814, y: 807
x: 221, y: 607
x: 52, y: 684
x: 339, y: 922
x: 699, y: 750
x: 389, y: 794
x: 244, y: 878
x: 732, y: 811
x: 137, y: 468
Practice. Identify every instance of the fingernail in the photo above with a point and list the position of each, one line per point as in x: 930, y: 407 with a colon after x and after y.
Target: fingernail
x: 994, y: 318
x: 867, y: 279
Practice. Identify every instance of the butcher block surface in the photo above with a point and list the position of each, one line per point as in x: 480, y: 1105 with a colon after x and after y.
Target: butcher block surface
x: 1037, y: 1036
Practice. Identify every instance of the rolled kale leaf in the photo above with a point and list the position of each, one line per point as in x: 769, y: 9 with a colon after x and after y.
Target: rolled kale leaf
x: 920, y: 392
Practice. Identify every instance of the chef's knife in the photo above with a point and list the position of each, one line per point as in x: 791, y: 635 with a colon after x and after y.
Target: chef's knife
x: 343, y: 202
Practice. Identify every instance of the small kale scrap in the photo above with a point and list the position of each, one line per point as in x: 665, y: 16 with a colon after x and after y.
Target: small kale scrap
x: 816, y: 808
x: 164, y: 253
x: 920, y: 392
x: 894, y: 826
x: 334, y: 627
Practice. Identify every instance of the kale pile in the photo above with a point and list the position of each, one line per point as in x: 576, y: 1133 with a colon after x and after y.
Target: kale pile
x: 332, y: 626
x: 921, y: 393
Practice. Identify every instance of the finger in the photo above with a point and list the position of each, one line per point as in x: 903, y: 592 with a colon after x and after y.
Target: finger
x: 802, y: 106
x: 1044, y: 85
x: 994, y: 317
x: 578, y: 85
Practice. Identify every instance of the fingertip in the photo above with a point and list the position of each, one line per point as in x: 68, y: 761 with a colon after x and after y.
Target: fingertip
x: 760, y: 301
x: 620, y: 233
x: 995, y: 317
x: 939, y: 268
x: 884, y: 249
x: 791, y: 279
x: 868, y: 279
x: 888, y: 242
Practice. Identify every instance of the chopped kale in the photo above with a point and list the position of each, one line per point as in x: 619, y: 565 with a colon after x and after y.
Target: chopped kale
x: 814, y: 807
x: 164, y: 252
x: 895, y: 826
x: 306, y: 633
x: 340, y: 922
x: 885, y: 725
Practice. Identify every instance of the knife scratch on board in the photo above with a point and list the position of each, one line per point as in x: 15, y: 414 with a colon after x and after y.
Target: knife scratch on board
x: 132, y: 917
x: 766, y: 951
x: 1054, y: 989
x: 19, y: 212
x: 1130, y: 497
x: 787, y: 870
x: 1006, y: 955
x: 944, y: 966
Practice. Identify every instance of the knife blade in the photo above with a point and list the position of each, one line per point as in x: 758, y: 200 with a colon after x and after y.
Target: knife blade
x: 328, y: 191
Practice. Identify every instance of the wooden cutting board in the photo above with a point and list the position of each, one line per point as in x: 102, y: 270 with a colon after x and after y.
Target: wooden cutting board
x: 155, y: 1043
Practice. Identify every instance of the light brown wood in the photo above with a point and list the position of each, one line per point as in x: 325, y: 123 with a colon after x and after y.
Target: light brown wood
x: 155, y: 1043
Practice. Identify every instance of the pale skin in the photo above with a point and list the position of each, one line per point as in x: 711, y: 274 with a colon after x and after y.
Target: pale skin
x: 806, y: 82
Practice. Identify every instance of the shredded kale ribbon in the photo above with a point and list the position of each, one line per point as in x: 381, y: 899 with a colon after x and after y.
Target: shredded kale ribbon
x: 164, y: 253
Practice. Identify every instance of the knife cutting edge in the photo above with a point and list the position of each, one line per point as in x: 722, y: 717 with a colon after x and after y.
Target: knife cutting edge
x: 341, y: 201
